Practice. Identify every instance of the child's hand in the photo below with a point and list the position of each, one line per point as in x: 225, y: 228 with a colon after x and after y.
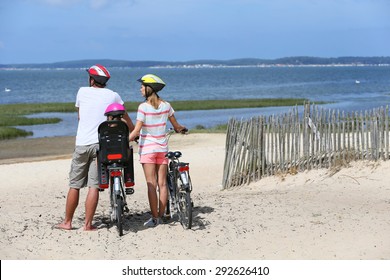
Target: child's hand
x: 133, y: 137
x: 182, y: 130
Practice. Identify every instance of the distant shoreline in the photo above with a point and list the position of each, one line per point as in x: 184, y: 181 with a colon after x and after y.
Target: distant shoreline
x: 199, y: 66
x: 295, y: 61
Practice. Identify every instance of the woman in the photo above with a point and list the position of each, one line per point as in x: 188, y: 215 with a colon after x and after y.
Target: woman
x: 151, y: 122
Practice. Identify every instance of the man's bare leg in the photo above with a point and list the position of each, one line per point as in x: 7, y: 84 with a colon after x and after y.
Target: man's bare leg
x: 72, y: 202
x: 90, y: 207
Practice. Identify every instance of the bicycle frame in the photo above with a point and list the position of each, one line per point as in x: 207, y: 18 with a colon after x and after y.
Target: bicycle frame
x: 180, y: 188
x: 180, y: 170
x: 116, y: 180
x: 118, y: 203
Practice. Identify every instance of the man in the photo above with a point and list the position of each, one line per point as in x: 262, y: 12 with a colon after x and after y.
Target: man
x: 91, y: 103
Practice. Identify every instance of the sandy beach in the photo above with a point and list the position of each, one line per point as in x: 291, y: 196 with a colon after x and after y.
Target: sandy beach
x: 316, y: 215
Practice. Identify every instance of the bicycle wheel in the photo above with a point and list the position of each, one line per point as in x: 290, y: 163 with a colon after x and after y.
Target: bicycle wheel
x: 185, y: 209
x: 112, y: 205
x: 170, y: 209
x: 119, y: 211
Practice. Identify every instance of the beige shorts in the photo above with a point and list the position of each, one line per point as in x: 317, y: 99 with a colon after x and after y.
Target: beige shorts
x: 83, y: 170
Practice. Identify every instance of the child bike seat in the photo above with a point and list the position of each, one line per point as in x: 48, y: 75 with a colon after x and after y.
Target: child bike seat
x: 113, y: 142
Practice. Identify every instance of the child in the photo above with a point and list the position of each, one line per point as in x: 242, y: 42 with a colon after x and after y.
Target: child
x: 116, y: 112
x: 151, y: 122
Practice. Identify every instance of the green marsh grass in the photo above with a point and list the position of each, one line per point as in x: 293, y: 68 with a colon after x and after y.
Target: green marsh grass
x: 12, y: 132
x: 14, y: 114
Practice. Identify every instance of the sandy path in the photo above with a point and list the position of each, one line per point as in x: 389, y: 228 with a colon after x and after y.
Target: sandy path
x: 311, y: 215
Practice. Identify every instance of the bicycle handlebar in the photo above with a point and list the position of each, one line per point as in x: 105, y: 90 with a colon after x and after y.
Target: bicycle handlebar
x: 183, y: 131
x: 169, y: 133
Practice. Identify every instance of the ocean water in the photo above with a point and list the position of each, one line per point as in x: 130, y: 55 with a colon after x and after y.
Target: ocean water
x: 346, y: 88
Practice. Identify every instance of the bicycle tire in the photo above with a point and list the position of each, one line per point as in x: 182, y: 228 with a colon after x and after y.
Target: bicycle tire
x: 171, y: 195
x: 112, y: 206
x: 119, y: 211
x: 185, y: 209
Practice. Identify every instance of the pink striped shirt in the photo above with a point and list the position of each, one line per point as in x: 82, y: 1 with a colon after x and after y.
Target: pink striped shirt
x: 152, y: 136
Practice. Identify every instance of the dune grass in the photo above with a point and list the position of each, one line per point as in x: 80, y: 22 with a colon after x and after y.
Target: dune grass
x: 14, y: 114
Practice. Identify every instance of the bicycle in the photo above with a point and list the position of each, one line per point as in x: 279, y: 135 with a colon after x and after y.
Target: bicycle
x: 179, y: 187
x: 116, y: 169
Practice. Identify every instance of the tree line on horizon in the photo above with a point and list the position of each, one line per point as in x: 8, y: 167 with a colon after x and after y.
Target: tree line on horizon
x: 294, y: 60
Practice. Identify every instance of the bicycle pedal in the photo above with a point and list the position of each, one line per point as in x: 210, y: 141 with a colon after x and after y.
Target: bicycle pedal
x: 129, y: 191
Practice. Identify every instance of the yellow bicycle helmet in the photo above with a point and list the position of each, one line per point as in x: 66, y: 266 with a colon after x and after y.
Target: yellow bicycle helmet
x: 152, y: 81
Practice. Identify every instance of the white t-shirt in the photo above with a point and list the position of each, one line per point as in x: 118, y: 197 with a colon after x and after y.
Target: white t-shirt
x: 92, y: 102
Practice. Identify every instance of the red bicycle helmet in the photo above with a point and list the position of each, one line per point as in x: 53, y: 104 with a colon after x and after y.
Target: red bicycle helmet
x: 99, y: 73
x: 115, y: 109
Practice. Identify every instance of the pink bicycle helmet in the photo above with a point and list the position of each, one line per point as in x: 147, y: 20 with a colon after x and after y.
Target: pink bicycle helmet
x: 99, y: 73
x: 115, y: 109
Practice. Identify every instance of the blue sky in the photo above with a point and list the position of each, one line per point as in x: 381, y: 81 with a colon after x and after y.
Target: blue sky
x: 40, y: 31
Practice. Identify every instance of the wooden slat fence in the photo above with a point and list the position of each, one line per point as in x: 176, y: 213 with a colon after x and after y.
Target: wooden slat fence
x: 296, y: 141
